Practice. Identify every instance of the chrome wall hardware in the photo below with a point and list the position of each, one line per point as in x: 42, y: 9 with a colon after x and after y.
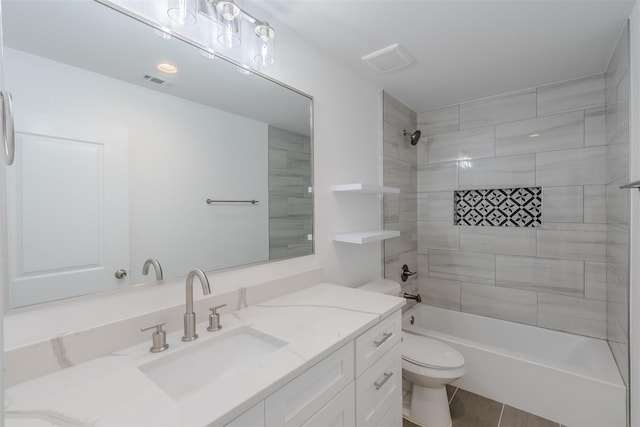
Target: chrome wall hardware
x: 405, y: 274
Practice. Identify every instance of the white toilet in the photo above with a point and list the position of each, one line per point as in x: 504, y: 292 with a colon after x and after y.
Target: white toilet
x: 429, y: 365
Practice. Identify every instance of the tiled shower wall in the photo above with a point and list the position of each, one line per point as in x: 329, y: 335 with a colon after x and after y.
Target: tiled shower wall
x: 552, y: 276
x: 290, y: 202
x: 400, y: 210
x: 617, y: 137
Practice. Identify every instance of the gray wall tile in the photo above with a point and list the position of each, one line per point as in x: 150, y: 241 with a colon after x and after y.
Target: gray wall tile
x: 619, y: 62
x: 437, y: 235
x: 595, y: 204
x: 501, y: 303
x: 563, y: 204
x: 467, y: 144
x: 617, y: 158
x: 583, y: 166
x: 575, y: 315
x: 396, y: 113
x: 400, y: 174
x: 443, y: 120
x: 577, y: 94
x: 502, y: 172
x: 595, y: 280
x: 594, y: 127
x: 546, y: 275
x: 440, y: 292
x: 551, y: 133
x: 584, y: 244
x: 508, y: 107
x: 464, y: 266
x: 498, y: 240
x: 436, y: 206
x: 400, y: 210
x: 438, y: 177
x: 617, y: 210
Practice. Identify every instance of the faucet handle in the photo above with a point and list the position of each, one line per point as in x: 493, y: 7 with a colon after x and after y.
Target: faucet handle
x: 159, y: 337
x: 214, y: 318
x: 214, y: 310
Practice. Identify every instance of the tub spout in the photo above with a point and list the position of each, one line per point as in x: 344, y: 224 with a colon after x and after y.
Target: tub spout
x: 416, y: 297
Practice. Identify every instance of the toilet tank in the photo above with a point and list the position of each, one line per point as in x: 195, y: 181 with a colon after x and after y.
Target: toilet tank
x: 382, y: 286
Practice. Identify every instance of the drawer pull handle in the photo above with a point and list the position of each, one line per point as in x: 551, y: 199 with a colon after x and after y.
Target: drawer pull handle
x: 385, y: 337
x: 386, y: 378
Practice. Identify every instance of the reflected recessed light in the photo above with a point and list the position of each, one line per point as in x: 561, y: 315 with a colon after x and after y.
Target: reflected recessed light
x: 165, y: 67
x: 534, y: 135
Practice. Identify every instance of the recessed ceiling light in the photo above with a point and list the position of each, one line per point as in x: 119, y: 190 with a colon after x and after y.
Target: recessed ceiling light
x: 534, y: 135
x: 165, y: 67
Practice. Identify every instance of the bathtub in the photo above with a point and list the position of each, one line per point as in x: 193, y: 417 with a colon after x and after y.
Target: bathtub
x: 566, y: 378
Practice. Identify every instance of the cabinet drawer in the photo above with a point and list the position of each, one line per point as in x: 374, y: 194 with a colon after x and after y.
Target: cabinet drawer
x: 393, y: 417
x: 379, y: 388
x: 297, y: 401
x: 376, y: 341
x: 340, y: 412
x: 253, y: 417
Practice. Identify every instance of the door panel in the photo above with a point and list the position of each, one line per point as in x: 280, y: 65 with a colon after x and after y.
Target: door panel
x: 69, y: 180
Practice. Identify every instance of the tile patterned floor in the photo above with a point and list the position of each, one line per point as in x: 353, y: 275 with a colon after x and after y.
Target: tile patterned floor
x: 471, y: 410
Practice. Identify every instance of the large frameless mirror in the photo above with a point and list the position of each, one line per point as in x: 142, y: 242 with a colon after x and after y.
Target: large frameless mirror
x: 135, y: 146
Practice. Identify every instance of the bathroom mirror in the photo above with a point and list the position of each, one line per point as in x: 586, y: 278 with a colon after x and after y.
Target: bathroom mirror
x: 116, y: 158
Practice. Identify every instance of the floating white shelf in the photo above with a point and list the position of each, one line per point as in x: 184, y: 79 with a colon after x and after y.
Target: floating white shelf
x: 360, y: 188
x: 362, y: 237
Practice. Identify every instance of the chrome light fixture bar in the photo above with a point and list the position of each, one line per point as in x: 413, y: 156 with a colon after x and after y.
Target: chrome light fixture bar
x: 229, y: 19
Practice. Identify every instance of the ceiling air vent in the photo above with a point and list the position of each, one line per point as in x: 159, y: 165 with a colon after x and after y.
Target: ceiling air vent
x: 389, y: 59
x: 153, y: 79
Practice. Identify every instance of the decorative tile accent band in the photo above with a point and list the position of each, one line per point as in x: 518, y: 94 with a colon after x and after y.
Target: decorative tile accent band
x: 501, y: 207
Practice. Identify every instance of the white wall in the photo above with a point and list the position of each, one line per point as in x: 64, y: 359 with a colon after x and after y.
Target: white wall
x: 634, y: 127
x: 178, y: 157
x: 347, y: 148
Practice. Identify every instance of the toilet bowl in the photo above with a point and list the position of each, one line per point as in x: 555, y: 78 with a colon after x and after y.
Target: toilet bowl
x: 429, y: 365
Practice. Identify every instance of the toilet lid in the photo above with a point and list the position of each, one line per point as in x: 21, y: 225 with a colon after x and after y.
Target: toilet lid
x: 430, y: 353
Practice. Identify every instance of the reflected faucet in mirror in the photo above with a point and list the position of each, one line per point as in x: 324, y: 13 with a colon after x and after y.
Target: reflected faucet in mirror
x: 156, y: 266
x: 190, y: 316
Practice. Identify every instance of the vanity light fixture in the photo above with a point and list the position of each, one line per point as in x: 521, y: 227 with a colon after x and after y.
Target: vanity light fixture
x: 229, y: 25
x: 182, y: 12
x: 534, y: 135
x: 230, y: 20
x: 265, y: 54
x: 165, y: 67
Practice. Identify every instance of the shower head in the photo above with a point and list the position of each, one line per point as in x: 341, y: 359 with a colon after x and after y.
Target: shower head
x: 414, y: 137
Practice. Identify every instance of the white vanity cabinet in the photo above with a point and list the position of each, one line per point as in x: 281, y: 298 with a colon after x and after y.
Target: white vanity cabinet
x: 358, y: 385
x: 379, y: 373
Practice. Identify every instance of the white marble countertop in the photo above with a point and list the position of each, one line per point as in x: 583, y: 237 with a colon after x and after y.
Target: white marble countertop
x: 112, y: 391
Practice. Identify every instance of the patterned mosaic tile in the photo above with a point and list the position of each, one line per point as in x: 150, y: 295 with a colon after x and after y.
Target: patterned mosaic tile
x: 502, y: 207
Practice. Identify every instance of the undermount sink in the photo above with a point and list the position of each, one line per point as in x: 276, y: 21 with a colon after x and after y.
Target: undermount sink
x: 185, y: 372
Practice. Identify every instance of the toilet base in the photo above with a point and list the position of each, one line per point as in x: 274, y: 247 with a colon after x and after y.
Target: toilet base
x: 430, y: 406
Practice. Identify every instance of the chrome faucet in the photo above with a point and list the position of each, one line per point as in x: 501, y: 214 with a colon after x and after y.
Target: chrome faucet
x: 156, y: 266
x: 416, y: 297
x: 190, y: 316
